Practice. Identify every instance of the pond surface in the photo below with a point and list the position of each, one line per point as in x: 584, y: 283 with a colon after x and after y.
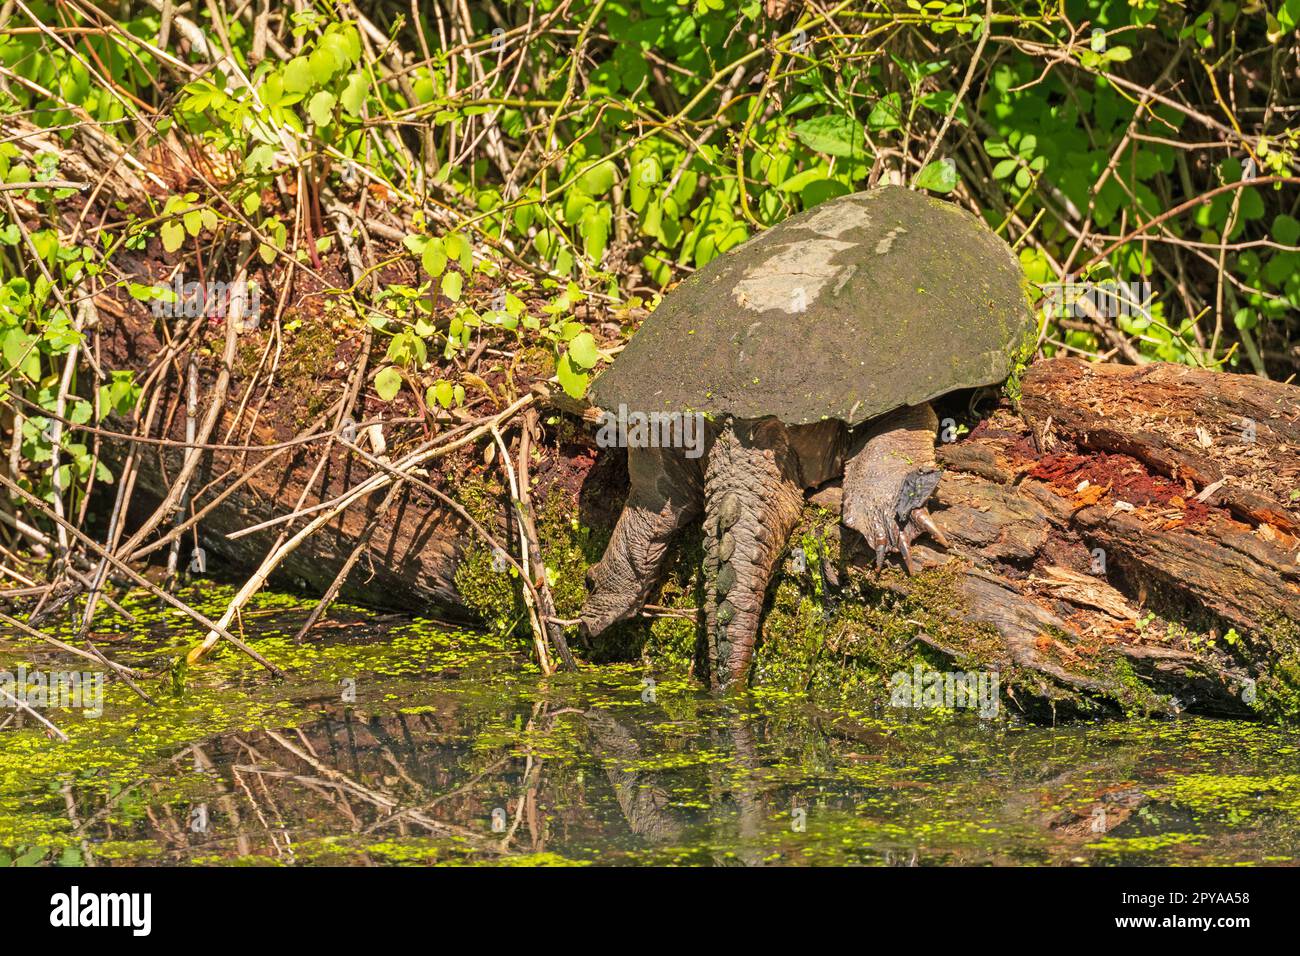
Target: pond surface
x: 399, y: 741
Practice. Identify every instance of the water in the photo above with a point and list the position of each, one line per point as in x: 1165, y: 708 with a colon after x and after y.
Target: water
x: 404, y: 742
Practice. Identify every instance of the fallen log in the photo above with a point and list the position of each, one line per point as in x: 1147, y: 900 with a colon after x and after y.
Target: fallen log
x: 1126, y: 529
x: 1122, y: 495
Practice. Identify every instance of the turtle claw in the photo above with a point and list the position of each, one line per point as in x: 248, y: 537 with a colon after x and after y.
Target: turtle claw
x: 922, y: 520
x: 883, y: 536
x: 906, y: 553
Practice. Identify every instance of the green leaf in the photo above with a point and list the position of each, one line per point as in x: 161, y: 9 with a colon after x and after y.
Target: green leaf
x: 173, y: 235
x: 797, y: 182
x: 452, y: 284
x: 442, y: 393
x: 887, y: 114
x: 940, y: 177
x: 1005, y: 168
x: 434, y: 259
x: 941, y: 102
x: 813, y: 193
x: 595, y: 231
x: 298, y: 75
x: 836, y: 135
x: 596, y: 180
x: 457, y: 248
x: 582, y: 350
x: 354, y: 94
x: 322, y: 64
x: 321, y: 108
x: 1286, y: 230
x: 573, y: 382
x: 388, y: 382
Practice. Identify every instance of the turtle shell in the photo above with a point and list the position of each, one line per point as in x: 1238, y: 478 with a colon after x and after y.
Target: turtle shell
x: 859, y: 306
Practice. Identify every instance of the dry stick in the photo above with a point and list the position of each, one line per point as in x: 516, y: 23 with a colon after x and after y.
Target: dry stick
x: 464, y: 788
x: 528, y: 526
x: 534, y: 612
x: 243, y: 478
x: 529, y: 767
x: 377, y: 797
x: 122, y: 502
x: 67, y: 648
x: 25, y: 708
x: 305, y: 437
x: 94, y: 654
x: 74, y: 818
x: 56, y: 429
x: 40, y: 540
x: 965, y: 85
x: 302, y: 512
x: 362, y: 490
x: 191, y: 427
x: 195, y: 454
x: 1113, y: 164
x: 332, y: 437
x: 337, y: 584
x: 70, y: 364
x: 1183, y: 207
x: 44, y: 184
x: 454, y: 506
x: 213, y: 628
x: 341, y: 217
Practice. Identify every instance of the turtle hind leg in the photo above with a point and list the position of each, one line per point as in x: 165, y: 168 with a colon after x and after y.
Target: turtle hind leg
x: 667, y: 491
x: 753, y: 499
x: 889, y: 476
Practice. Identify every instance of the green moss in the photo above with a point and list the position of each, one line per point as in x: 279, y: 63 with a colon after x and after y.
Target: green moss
x: 567, y: 549
x: 1132, y: 693
x: 489, y: 590
x: 845, y: 647
x: 1233, y: 797
x: 1278, y: 688
x: 1123, y: 846
x: 1021, y: 359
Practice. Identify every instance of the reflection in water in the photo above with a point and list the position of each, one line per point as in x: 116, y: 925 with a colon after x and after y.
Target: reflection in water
x: 453, y: 754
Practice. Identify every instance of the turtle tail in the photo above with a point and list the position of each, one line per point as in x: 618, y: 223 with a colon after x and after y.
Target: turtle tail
x: 752, y: 503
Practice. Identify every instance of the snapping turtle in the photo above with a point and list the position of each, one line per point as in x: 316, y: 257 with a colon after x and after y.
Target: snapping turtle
x: 808, y: 353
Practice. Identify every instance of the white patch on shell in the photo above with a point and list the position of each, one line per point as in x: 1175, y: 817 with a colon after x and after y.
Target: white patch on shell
x: 885, y: 244
x: 845, y: 276
x: 836, y: 218
x: 792, y: 278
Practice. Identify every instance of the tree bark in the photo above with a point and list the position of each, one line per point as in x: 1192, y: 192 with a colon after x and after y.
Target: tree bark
x: 1124, y: 491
